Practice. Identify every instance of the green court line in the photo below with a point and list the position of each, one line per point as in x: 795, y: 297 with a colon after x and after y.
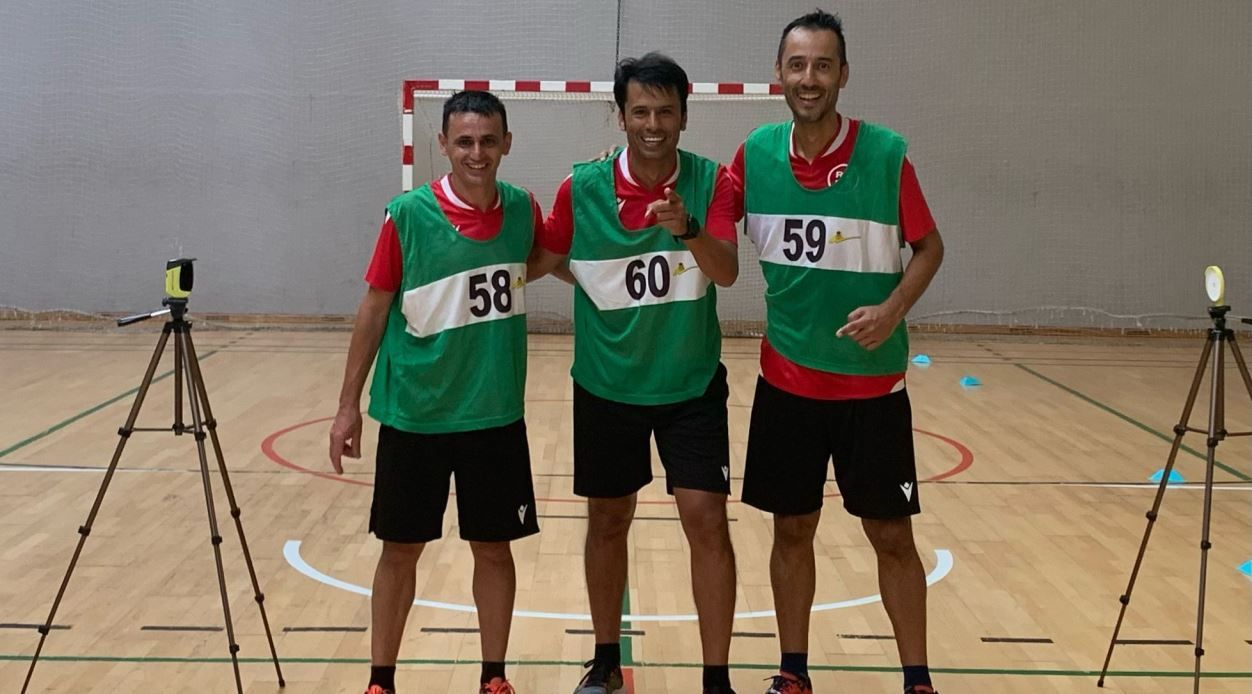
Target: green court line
x: 1130, y: 420
x: 627, y: 642
x: 576, y: 663
x: 89, y: 411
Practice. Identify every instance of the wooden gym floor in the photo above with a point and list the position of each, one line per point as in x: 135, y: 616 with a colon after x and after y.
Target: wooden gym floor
x: 1032, y: 517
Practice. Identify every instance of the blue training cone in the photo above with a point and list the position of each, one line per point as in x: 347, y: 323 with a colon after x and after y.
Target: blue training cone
x: 1246, y: 568
x: 921, y: 360
x: 970, y: 382
x: 1174, y: 477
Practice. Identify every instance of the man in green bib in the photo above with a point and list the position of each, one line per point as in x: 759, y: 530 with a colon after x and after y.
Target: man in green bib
x: 445, y: 314
x: 647, y: 233
x: 830, y: 201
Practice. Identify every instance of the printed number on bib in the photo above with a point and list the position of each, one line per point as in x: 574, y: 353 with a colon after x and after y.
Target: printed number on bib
x: 652, y: 277
x: 485, y: 294
x: 479, y: 295
x: 810, y: 243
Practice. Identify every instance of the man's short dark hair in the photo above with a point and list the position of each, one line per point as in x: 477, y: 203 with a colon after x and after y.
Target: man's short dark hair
x: 474, y: 101
x: 653, y: 70
x: 821, y: 20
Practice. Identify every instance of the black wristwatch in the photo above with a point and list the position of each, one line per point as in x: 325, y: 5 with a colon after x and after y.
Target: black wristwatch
x: 693, y: 229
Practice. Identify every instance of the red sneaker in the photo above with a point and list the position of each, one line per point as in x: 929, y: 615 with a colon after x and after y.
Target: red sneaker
x: 787, y: 683
x: 497, y: 685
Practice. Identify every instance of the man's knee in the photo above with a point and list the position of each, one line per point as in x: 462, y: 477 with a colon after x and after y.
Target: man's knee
x: 610, y: 518
x: 401, y: 555
x: 703, y: 517
x: 795, y: 532
x: 891, y: 538
x: 492, y: 552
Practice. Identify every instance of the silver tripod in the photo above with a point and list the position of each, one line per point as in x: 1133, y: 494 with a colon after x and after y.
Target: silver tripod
x: 186, y: 365
x: 1218, y: 337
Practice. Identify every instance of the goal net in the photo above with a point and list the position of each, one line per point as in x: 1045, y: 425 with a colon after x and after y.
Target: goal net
x: 555, y: 124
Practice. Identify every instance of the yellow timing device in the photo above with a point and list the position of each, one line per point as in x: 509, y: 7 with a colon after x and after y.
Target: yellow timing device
x: 1214, y: 284
x: 178, y: 278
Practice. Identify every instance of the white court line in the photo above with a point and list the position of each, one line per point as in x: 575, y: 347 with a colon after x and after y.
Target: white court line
x: 291, y: 552
x: 1193, y: 486
x: 1153, y: 485
x: 63, y: 468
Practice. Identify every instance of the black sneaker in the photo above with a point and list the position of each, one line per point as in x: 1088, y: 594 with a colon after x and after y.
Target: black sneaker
x: 601, y: 679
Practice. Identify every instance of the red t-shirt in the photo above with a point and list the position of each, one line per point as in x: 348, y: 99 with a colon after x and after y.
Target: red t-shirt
x: 387, y: 266
x: 632, y: 203
x: 915, y: 223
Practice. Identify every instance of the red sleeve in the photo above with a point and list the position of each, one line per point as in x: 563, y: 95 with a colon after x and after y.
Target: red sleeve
x: 720, y: 219
x: 387, y: 265
x: 538, y: 215
x: 556, y: 235
x: 915, y: 219
x: 735, y: 176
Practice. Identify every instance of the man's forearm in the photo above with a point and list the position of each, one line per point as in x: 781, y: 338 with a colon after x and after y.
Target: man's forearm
x: 563, y: 273
x: 718, y: 260
x: 927, y: 257
x: 367, y: 334
x: 544, y: 262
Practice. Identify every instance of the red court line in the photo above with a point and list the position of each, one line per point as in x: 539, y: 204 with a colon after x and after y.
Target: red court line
x: 267, y: 447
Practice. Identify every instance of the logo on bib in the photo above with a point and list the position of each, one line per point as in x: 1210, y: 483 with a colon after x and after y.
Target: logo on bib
x: 835, y: 174
x: 840, y: 238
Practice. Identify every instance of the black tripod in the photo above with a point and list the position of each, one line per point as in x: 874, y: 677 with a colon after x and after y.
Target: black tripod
x: 1216, y: 432
x: 186, y: 365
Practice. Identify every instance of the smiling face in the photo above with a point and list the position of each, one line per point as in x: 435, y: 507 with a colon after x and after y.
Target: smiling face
x: 474, y: 144
x: 811, y: 73
x: 652, y: 118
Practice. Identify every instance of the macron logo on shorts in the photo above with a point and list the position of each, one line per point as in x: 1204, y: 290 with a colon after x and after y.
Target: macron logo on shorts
x: 726, y: 473
x: 907, y: 488
x: 521, y: 513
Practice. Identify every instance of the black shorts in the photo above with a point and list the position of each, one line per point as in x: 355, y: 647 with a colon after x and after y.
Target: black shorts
x: 495, y: 495
x: 792, y: 438
x: 612, y: 455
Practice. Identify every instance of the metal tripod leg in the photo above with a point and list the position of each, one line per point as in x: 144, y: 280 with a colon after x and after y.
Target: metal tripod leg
x: 198, y: 391
x: 197, y: 429
x: 1179, y: 431
x: 1216, y: 433
x: 85, y: 529
x: 179, y: 427
x: 186, y: 366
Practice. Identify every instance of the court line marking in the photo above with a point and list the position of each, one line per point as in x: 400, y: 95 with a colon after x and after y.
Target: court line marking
x: 291, y: 552
x: 892, y: 669
x: 89, y: 411
x: 1218, y: 486
x: 1154, y: 485
x: 269, y: 449
x: 1128, y: 419
x: 65, y: 468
